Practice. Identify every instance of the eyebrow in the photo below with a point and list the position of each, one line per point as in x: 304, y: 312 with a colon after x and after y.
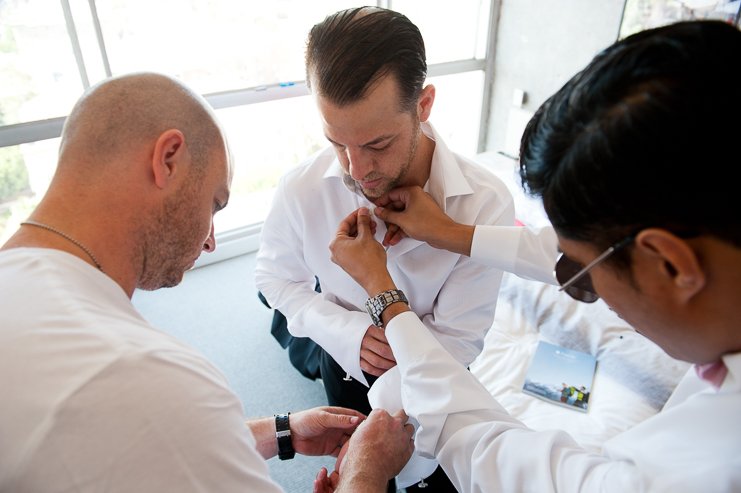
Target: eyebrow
x: 372, y: 142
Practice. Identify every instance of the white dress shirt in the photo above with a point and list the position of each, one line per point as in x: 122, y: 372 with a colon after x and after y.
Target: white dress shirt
x: 454, y: 296
x: 93, y: 398
x: 693, y: 445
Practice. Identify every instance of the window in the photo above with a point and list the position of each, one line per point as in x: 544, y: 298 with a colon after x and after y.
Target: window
x: 247, y: 58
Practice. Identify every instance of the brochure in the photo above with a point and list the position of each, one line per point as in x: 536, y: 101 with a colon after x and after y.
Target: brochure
x: 561, y: 376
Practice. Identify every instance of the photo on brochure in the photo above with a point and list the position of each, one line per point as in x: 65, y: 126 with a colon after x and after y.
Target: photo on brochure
x: 561, y: 376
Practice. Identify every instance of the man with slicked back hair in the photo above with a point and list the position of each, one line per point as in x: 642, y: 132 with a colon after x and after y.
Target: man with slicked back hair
x: 366, y: 71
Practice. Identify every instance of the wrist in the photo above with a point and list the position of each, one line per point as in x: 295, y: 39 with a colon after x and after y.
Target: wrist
x: 460, y: 239
x: 283, y: 437
x: 380, y: 284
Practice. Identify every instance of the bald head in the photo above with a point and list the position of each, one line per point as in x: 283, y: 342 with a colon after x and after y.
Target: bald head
x: 118, y: 116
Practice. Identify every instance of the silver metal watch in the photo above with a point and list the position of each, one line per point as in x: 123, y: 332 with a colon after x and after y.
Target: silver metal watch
x: 378, y: 304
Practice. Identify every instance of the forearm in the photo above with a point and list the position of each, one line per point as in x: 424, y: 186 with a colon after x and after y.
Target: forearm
x: 263, y: 429
x: 457, y: 239
x: 361, y: 482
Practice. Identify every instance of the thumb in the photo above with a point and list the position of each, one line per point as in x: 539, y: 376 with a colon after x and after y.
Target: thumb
x: 363, y: 222
x: 343, y: 420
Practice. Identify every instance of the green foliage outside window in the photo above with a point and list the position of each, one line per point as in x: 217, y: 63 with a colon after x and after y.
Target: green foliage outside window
x: 13, y: 173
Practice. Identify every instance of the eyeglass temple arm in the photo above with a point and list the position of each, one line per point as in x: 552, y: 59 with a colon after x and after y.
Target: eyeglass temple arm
x: 596, y: 261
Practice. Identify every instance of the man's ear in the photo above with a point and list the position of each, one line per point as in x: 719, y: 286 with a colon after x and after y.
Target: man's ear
x: 675, y: 260
x: 168, y: 156
x: 425, y: 102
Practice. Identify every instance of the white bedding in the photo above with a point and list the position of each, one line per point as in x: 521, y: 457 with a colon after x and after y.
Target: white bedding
x: 634, y: 377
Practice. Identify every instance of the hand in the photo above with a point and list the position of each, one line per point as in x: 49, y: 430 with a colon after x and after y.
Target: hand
x: 323, y: 430
x: 325, y: 483
x: 359, y: 254
x: 417, y: 215
x: 377, y: 452
x: 376, y: 356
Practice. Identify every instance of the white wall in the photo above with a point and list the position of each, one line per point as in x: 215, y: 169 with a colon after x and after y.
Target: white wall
x: 541, y: 44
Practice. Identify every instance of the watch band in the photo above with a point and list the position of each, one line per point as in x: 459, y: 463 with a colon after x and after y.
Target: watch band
x: 283, y: 435
x: 378, y: 304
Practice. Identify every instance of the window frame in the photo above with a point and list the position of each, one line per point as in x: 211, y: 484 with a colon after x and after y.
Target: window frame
x: 244, y: 239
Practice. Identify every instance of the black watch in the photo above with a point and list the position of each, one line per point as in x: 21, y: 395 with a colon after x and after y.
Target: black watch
x: 378, y: 304
x: 283, y: 434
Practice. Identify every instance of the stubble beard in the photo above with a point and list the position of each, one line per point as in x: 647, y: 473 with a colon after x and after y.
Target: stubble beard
x: 169, y: 240
x: 374, y: 193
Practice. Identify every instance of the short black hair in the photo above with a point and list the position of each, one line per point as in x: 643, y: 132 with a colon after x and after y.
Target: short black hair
x: 645, y: 136
x: 350, y: 50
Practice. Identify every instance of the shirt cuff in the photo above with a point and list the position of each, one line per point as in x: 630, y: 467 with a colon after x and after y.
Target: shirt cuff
x: 409, y: 339
x: 496, y: 246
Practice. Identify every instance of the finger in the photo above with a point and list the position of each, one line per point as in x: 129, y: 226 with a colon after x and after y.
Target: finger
x: 377, y: 333
x: 347, y: 224
x: 378, y: 346
x: 321, y: 481
x: 368, y: 368
x: 402, y: 415
x: 334, y: 480
x: 344, y: 410
x: 390, y: 233
x: 335, y: 420
x: 401, y: 194
x: 363, y: 222
x: 400, y: 235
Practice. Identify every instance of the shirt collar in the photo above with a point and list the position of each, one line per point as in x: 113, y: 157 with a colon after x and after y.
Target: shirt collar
x: 445, y: 180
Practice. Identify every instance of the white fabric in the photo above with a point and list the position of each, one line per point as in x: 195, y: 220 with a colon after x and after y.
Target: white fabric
x: 527, y: 253
x: 694, y: 445
x: 633, y: 379
x: 93, y: 398
x: 454, y: 296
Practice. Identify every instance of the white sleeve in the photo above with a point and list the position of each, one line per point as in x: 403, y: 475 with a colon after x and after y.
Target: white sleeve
x: 153, y: 422
x: 530, y: 253
x: 285, y: 280
x: 480, y: 447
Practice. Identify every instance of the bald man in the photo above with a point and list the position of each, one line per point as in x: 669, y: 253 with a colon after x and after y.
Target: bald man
x: 93, y: 397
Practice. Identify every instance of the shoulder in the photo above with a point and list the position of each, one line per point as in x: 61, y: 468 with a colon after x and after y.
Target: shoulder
x: 490, y: 201
x: 308, y: 172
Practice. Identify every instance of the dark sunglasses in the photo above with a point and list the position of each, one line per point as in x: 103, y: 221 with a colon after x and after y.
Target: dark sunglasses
x: 576, y: 281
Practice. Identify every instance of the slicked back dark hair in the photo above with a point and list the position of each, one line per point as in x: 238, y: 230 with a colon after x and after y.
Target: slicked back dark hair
x: 348, y: 52
x: 646, y: 136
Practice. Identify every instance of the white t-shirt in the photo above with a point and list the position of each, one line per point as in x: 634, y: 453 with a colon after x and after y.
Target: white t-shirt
x: 93, y: 398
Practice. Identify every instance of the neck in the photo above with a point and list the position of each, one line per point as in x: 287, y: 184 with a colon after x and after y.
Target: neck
x: 419, y: 171
x: 111, y: 245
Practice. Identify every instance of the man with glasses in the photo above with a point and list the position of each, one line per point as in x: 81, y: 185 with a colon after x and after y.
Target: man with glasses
x: 629, y: 158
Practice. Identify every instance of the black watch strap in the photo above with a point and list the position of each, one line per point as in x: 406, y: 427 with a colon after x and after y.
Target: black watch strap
x: 283, y: 434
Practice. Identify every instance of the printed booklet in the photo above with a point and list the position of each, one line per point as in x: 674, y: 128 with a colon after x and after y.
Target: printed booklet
x: 561, y: 376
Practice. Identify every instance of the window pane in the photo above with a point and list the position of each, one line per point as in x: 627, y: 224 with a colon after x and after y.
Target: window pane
x: 213, y: 46
x: 266, y: 139
x: 456, y: 112
x: 451, y: 32
x: 38, y: 72
x: 25, y: 174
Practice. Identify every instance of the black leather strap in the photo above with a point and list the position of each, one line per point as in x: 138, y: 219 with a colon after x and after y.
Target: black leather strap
x: 283, y: 434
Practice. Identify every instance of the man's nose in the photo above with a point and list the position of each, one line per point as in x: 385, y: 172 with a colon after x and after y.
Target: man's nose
x: 210, y: 244
x: 360, y: 164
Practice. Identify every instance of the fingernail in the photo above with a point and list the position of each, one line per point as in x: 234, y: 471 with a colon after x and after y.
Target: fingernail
x: 354, y: 419
x: 364, y: 211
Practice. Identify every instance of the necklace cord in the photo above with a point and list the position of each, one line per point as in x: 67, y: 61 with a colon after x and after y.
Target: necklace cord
x: 33, y: 223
